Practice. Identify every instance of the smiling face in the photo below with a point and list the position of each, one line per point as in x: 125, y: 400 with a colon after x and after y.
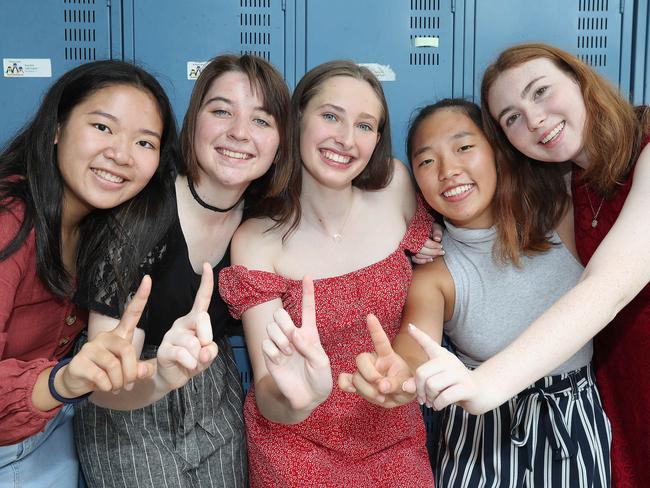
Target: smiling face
x: 235, y: 139
x: 339, y: 130
x: 108, y: 148
x: 454, y: 167
x: 541, y: 111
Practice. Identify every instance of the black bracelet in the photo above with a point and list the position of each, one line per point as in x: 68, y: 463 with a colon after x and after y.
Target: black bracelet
x: 54, y: 393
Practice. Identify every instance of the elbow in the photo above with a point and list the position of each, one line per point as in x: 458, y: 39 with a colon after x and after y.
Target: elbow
x: 611, y: 295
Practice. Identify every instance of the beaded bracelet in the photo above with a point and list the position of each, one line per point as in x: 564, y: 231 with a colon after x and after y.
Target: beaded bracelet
x: 54, y: 393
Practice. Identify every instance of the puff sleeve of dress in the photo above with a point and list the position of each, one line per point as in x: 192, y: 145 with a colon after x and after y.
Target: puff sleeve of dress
x: 419, y: 229
x: 242, y: 288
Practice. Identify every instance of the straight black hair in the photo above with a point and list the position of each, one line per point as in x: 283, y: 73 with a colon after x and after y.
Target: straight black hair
x: 30, y: 176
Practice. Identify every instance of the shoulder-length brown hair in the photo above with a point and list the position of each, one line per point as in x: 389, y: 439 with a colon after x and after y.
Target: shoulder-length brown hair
x: 513, y: 238
x: 612, y: 132
x: 285, y: 209
x: 269, y: 84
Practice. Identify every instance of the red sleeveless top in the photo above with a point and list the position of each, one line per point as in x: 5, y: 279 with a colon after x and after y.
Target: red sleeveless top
x: 621, y: 349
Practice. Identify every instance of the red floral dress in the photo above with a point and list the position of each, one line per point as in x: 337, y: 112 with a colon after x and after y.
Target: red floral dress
x: 621, y: 350
x: 346, y: 441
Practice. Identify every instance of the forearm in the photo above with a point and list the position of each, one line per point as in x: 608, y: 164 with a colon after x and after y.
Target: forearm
x: 276, y: 407
x: 549, y: 341
x: 409, y: 350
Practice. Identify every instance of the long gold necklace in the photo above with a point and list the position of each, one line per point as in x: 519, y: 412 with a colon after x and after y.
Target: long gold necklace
x: 594, y: 222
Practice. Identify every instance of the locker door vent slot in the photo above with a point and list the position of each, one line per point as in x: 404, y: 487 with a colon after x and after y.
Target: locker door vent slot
x: 593, y: 32
x: 425, y: 5
x: 424, y: 23
x: 255, y: 28
x: 79, y: 32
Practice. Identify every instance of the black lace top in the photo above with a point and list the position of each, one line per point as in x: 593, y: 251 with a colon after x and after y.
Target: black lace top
x: 174, y: 286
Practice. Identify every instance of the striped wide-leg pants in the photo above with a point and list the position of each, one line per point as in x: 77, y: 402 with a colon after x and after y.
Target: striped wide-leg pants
x: 553, y: 434
x: 193, y: 437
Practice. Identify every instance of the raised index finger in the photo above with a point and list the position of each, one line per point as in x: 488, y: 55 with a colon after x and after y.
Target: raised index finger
x: 379, y: 338
x: 133, y: 310
x: 308, y: 305
x: 204, y: 293
x: 431, y: 347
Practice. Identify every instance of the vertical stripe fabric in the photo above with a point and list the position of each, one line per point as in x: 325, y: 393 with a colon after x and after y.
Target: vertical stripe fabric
x: 193, y: 437
x: 553, y: 434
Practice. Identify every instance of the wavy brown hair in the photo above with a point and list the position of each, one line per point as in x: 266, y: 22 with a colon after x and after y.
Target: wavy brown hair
x: 285, y: 210
x: 613, y: 129
x: 513, y: 239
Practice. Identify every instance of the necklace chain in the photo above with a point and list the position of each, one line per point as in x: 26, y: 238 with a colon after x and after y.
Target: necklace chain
x: 337, y: 236
x: 594, y: 222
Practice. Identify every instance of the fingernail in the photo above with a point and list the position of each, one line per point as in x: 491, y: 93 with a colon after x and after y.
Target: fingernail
x: 437, y: 239
x: 381, y: 398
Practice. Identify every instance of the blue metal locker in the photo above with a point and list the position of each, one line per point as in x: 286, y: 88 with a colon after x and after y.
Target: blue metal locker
x: 639, y: 92
x: 411, y: 42
x: 61, y: 34
x: 597, y: 31
x: 171, y: 39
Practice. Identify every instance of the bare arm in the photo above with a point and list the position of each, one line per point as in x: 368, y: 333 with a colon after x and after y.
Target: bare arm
x: 617, y: 271
x: 381, y: 374
x: 429, y: 302
x: 290, y: 368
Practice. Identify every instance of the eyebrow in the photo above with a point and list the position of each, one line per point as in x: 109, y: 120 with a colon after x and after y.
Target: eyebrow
x: 363, y: 115
x: 229, y: 102
x: 114, y: 119
x: 524, y: 92
x: 460, y: 135
x: 457, y: 135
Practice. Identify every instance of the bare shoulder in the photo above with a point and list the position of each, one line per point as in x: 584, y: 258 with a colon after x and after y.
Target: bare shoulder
x: 432, y: 280
x: 401, y: 191
x: 433, y: 274
x: 255, y: 244
x: 401, y: 176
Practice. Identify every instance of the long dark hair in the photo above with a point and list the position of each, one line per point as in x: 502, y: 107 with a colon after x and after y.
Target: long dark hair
x: 272, y: 89
x: 514, y: 237
x: 29, y: 175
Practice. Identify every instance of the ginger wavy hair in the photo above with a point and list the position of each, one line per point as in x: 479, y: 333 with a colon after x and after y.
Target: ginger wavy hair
x: 613, y: 129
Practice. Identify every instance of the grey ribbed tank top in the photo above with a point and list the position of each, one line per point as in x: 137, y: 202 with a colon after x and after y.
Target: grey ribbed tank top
x: 496, y: 302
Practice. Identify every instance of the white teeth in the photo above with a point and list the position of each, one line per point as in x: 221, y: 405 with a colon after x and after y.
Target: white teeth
x: 105, y: 175
x: 234, y: 154
x: 337, y: 158
x: 554, y: 132
x: 458, y: 190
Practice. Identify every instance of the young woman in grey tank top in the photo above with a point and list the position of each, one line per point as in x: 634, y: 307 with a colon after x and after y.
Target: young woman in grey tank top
x: 497, y: 276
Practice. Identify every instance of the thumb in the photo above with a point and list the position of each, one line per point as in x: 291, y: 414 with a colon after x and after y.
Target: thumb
x: 409, y: 386
x: 431, y: 347
x: 345, y: 382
